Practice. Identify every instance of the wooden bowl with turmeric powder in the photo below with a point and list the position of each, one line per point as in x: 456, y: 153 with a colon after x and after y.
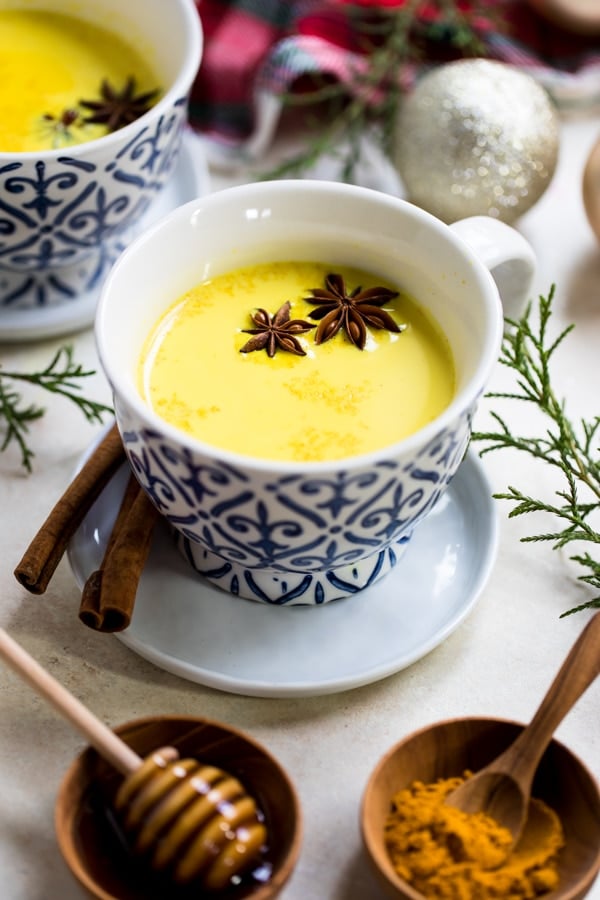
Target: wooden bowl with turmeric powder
x: 422, y: 848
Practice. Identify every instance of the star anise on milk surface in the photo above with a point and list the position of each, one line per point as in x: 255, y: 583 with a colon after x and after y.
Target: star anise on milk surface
x: 276, y: 332
x: 117, y: 108
x: 352, y: 312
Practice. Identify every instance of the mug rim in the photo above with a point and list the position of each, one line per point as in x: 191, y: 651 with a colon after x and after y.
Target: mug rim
x: 180, y: 86
x: 460, y: 403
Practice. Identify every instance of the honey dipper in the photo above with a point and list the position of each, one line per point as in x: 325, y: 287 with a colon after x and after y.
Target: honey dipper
x: 194, y: 822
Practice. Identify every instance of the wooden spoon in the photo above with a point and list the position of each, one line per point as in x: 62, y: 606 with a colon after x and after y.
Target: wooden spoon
x: 502, y: 789
x: 195, y: 822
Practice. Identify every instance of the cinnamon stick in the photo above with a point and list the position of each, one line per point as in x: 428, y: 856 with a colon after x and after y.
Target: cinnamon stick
x: 89, y: 609
x: 47, y: 548
x: 108, y: 596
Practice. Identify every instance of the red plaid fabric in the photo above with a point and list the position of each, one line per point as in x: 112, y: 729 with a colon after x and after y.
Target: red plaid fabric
x: 238, y: 35
x: 263, y: 47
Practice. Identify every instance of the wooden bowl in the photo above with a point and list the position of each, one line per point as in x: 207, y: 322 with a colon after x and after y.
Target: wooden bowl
x: 450, y: 747
x: 90, y: 842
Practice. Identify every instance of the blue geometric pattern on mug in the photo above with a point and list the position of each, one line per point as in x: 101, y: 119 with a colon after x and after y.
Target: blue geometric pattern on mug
x: 55, y: 214
x: 53, y: 286
x: 290, y: 589
x: 294, y: 522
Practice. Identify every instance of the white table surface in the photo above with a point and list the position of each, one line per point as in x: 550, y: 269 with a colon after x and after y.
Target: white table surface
x: 499, y: 662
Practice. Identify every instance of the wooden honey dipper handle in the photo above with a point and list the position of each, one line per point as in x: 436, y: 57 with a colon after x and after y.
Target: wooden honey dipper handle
x: 199, y: 836
x: 105, y: 741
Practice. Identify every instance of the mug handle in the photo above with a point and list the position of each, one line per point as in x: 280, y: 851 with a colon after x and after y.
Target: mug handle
x: 508, y: 256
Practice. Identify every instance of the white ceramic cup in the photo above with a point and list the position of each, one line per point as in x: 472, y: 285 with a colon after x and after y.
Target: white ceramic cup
x: 66, y: 214
x: 289, y: 532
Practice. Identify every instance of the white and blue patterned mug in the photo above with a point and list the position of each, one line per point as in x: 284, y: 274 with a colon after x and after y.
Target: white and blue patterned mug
x: 306, y: 533
x: 66, y: 214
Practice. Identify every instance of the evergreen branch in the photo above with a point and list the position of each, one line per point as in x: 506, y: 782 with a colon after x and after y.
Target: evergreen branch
x: 388, y: 41
x: 17, y: 418
x: 528, y: 350
x: 62, y: 376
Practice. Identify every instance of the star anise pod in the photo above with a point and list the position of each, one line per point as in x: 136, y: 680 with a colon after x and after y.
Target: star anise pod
x: 276, y: 332
x: 116, y: 108
x: 59, y: 127
x: 352, y: 312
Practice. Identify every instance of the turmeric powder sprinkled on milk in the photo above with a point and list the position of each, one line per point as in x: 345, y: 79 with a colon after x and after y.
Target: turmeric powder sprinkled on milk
x: 443, y: 852
x: 49, y: 62
x: 303, y: 401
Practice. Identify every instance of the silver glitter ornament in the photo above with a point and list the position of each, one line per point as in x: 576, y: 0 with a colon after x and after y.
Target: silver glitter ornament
x: 476, y: 137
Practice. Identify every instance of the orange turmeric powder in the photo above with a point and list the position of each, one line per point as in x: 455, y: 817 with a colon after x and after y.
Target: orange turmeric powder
x: 445, y: 853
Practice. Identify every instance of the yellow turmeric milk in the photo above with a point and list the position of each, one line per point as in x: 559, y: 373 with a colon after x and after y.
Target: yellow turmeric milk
x: 307, y: 400
x: 49, y: 62
x: 448, y: 854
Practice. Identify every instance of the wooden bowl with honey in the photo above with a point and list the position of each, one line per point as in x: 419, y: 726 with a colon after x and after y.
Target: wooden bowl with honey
x: 96, y: 850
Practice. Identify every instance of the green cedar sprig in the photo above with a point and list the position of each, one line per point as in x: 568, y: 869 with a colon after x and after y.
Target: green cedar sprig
x: 61, y: 376
x: 390, y: 39
x: 571, y: 448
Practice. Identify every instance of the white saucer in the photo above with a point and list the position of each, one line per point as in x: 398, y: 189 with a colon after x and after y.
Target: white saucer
x: 190, y: 180
x: 190, y: 628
